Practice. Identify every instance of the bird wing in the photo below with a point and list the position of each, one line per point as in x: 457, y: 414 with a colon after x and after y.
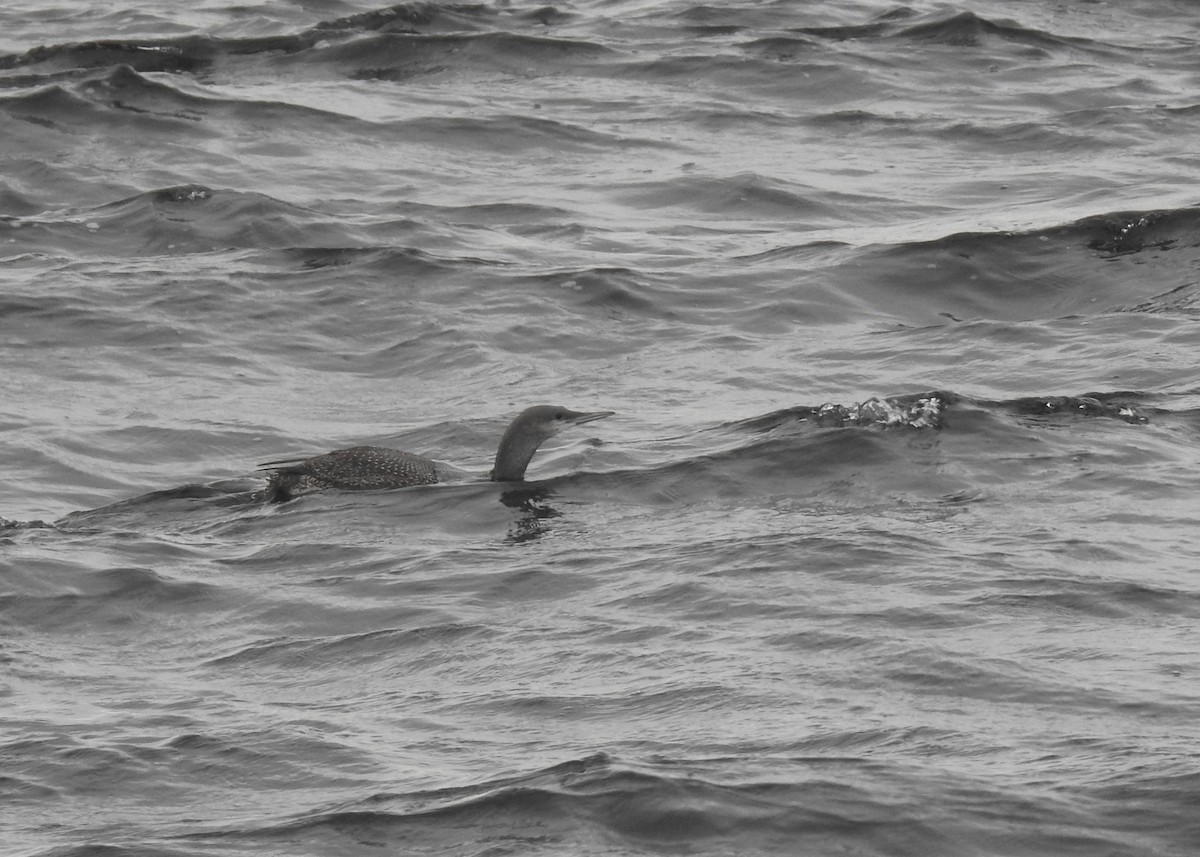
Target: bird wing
x: 280, y: 462
x: 361, y: 467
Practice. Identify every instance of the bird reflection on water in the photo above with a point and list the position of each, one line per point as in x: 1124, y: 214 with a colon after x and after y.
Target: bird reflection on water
x: 530, y: 500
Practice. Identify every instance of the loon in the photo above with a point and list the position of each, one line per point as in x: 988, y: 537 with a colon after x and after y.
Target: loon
x: 365, y: 468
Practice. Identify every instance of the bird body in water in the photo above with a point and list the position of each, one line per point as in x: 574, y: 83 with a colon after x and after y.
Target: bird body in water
x: 365, y: 468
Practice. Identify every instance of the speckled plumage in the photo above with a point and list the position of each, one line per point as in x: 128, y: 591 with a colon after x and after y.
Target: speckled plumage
x: 365, y: 468
x: 359, y: 468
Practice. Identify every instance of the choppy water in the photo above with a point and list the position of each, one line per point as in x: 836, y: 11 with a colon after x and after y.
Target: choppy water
x: 722, y: 621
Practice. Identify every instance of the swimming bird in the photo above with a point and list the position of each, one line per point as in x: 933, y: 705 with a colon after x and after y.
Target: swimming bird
x: 364, y: 468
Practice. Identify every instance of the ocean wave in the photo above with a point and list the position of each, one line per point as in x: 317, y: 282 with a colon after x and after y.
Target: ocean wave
x: 183, y: 54
x: 934, y: 410
x: 931, y: 451
x: 1148, y: 799
x: 951, y: 27
x: 111, y: 850
x: 349, y: 650
x: 1111, y: 234
x: 967, y: 29
x: 1057, y: 595
x: 121, y: 100
x: 598, y: 799
x: 397, y: 57
x: 361, y: 47
x: 509, y: 134
x: 1079, y: 268
x: 745, y: 195
x: 599, y: 803
x: 108, y: 597
x: 408, y: 17
x: 195, y: 219
x: 131, y: 96
x: 19, y: 790
x: 198, y: 53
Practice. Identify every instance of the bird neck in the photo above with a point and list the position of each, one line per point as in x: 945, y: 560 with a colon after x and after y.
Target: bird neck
x: 514, y: 453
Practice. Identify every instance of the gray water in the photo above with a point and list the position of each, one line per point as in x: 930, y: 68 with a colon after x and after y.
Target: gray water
x: 725, y: 620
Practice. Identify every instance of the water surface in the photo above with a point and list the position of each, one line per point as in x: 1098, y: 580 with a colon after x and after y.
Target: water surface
x: 726, y: 620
